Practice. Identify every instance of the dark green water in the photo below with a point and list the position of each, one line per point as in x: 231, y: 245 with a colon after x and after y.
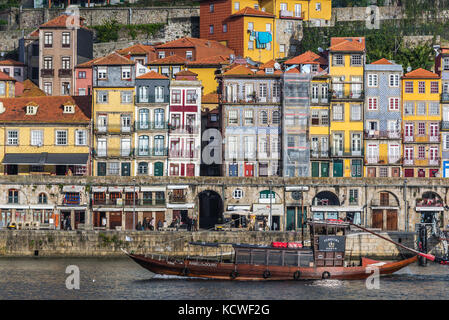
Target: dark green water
x: 44, y: 278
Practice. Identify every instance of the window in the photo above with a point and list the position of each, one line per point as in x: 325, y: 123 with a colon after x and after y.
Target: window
x: 282, y: 48
x: 37, y: 138
x: 263, y: 90
x: 66, y: 63
x: 409, y: 108
x: 250, y: 26
x: 189, y: 56
x: 232, y: 147
x: 80, y: 137
x: 318, y: 6
x: 69, y: 108
x: 421, y: 152
x: 211, y: 7
x: 372, y: 104
x: 102, y: 73
x: 176, y: 96
x: 61, y: 137
x: 66, y: 39
x: 48, y: 39
x: 65, y: 88
x: 48, y: 63
x: 126, y: 73
x: 356, y: 143
x: 356, y: 112
x: 126, y: 97
x: 144, y: 146
x: 191, y: 96
x: 166, y: 71
x: 113, y: 168
x: 211, y: 29
x: 48, y: 88
x: 82, y: 91
x: 421, y: 87
x: 297, y: 10
x: 249, y: 117
x: 434, y: 108
x: 13, y: 138
x: 353, y: 196
x: 237, y: 194
x: 143, y: 169
x: 268, y: 27
x: 159, y: 94
x: 356, y: 60
x: 250, y: 45
x: 263, y: 117
x: 421, y: 108
x: 372, y: 80
x: 13, y: 196
x: 445, y: 64
x: 393, y: 104
x: 233, y: 117
x: 394, y: 80
x: 337, y: 111
x: 42, y: 198
x: 408, y: 86
x: 102, y: 97
x: 315, y: 117
x: 383, y: 172
x: 31, y: 110
x: 421, y: 128
x: 324, y: 117
x: 338, y: 60
x: 17, y: 72
x: 236, y: 6
x: 161, y: 55
x: 434, y: 88
x: 225, y: 28
x: 81, y: 74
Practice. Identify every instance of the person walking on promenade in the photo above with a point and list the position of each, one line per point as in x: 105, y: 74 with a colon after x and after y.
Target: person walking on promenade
x: 152, y: 224
x: 159, y: 225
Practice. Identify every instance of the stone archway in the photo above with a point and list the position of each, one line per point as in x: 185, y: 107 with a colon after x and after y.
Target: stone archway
x: 210, y: 209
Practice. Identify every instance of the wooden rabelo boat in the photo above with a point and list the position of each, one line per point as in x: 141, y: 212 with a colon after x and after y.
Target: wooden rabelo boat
x: 325, y: 259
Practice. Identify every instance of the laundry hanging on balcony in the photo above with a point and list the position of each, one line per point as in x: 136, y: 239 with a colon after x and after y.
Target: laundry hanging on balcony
x: 262, y: 38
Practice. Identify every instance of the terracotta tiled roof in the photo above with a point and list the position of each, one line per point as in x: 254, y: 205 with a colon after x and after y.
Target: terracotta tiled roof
x: 248, y: 11
x: 152, y: 75
x: 11, y: 62
x: 307, y: 57
x: 203, y: 47
x: 215, y: 60
x: 50, y: 109
x: 5, y: 77
x: 382, y: 61
x: 28, y: 89
x: 113, y: 59
x: 262, y: 72
x: 186, y: 73
x: 139, y: 49
x: 174, y: 59
x: 34, y: 33
x: 347, y: 44
x: 61, y: 21
x: 293, y: 70
x: 239, y: 70
x: 421, y: 74
x: 87, y: 64
x: 210, y: 98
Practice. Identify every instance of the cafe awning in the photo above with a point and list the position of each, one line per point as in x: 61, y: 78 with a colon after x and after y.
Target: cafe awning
x: 46, y: 158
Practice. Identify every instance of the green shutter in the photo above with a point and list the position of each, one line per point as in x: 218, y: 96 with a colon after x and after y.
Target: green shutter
x: 325, y: 169
x: 315, y: 169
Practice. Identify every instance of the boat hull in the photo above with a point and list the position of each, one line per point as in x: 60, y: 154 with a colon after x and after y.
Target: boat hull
x: 247, y: 272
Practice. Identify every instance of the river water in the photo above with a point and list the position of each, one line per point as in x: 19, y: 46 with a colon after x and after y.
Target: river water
x: 104, y: 278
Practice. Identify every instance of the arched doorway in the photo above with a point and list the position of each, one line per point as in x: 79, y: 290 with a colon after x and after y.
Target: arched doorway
x: 385, y: 211
x: 211, y: 209
x: 323, y: 205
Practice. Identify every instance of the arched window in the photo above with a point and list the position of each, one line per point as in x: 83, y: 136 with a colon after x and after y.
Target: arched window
x: 159, y: 145
x: 42, y: 198
x: 159, y: 118
x: 276, y: 117
x: 263, y: 117
x: 143, y: 118
x: 144, y: 147
x: 142, y: 168
x: 143, y: 94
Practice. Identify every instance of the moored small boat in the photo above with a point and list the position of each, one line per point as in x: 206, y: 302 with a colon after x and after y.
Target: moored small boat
x: 324, y: 259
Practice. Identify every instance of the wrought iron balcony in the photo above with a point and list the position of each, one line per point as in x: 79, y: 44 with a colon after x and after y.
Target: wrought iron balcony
x: 346, y: 153
x: 388, y: 134
x: 113, y: 153
x: 423, y: 139
x: 189, y: 154
x: 47, y: 73
x: 63, y: 73
x: 382, y: 160
x: 151, y: 125
x: 422, y: 162
x: 129, y: 202
x: 152, y: 152
x: 353, y: 95
x: 184, y: 129
x: 113, y: 129
x: 177, y: 198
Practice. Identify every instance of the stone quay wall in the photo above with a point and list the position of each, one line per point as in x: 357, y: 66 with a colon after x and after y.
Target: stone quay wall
x: 50, y: 243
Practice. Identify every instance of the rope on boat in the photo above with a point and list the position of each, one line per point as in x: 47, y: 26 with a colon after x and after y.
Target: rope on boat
x: 424, y: 255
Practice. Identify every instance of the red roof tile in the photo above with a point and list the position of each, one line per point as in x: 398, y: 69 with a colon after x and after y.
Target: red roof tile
x: 215, y: 60
x: 50, y: 109
x: 113, y: 59
x: 28, y: 89
x: 152, y: 75
x: 5, y: 77
x: 382, y: 61
x: 239, y: 70
x: 307, y: 57
x: 174, y: 59
x: 87, y: 64
x: 137, y: 49
x: 186, y: 73
x: 210, y: 98
x: 203, y: 47
x: 347, y: 44
x: 11, y: 62
x: 421, y: 74
x: 61, y: 21
x: 248, y: 11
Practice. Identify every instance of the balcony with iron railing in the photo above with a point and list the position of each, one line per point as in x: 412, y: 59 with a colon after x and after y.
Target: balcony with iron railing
x: 187, y: 154
x: 319, y: 100
x: 388, y: 134
x: 287, y: 14
x: 335, y: 152
x: 129, y: 202
x: 64, y: 73
x: 317, y: 154
x: 445, y: 97
x: 345, y: 95
x: 113, y: 153
x: 152, y: 152
x: 47, y: 73
x: 187, y: 129
x: 141, y: 100
x: 419, y: 162
x: 177, y: 198
x: 250, y: 99
x: 382, y: 159
x: 114, y: 129
x: 422, y: 138
x: 151, y: 125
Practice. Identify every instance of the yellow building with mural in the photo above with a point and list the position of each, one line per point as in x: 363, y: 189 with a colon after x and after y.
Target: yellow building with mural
x: 113, y: 116
x: 45, y: 135
x: 421, y: 118
x: 346, y: 69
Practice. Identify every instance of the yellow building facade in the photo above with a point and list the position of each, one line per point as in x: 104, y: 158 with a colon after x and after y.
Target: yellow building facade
x: 421, y: 118
x: 346, y: 70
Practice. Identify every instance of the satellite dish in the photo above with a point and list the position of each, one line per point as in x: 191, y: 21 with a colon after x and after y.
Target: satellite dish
x: 409, y: 69
x: 320, y: 49
x: 277, y: 66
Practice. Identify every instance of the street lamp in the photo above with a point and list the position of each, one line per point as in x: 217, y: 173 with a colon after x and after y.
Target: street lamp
x: 134, y: 204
